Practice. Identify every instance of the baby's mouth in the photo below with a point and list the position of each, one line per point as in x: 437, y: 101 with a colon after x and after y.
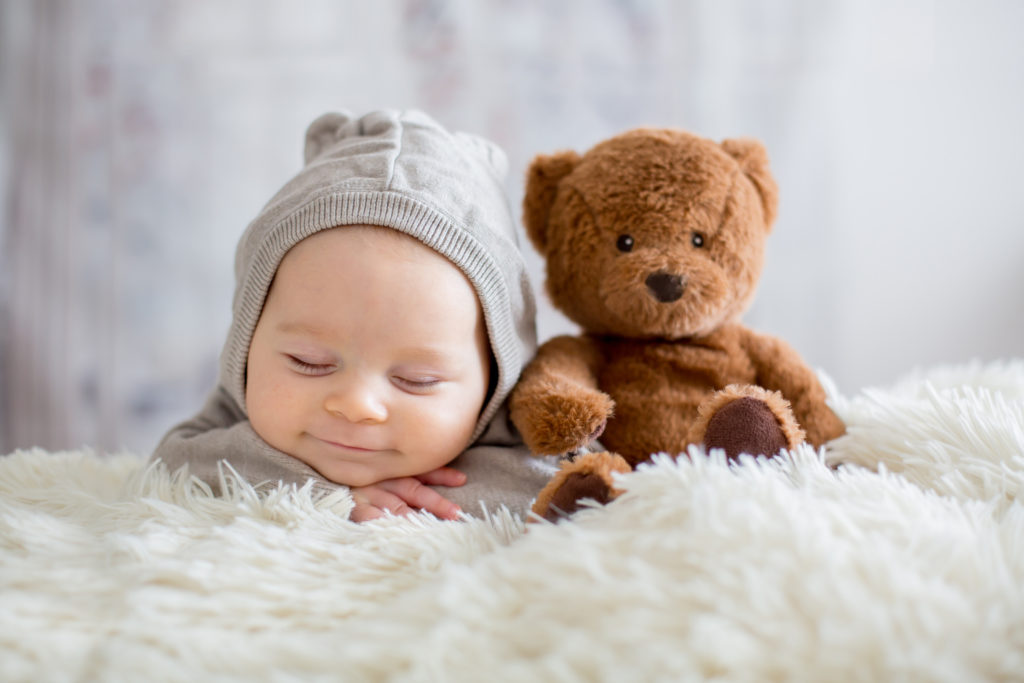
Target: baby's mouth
x: 348, y: 447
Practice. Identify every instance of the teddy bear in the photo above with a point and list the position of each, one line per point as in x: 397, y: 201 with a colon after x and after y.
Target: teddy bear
x: 653, y: 243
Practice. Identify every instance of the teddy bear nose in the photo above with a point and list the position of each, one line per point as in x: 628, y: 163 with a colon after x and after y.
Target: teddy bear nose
x: 665, y: 286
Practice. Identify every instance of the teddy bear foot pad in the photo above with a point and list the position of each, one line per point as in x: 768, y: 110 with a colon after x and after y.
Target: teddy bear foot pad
x: 746, y: 425
x: 575, y: 488
x: 588, y: 477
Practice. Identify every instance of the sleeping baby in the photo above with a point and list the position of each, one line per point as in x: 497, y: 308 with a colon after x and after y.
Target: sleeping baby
x: 382, y: 314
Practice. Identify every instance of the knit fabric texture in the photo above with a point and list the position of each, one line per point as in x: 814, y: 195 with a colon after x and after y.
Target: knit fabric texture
x: 401, y: 170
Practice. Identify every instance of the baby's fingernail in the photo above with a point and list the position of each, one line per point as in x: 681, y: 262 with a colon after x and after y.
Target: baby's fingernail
x: 454, y: 511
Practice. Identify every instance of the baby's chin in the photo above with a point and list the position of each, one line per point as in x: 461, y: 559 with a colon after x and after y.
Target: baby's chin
x: 369, y: 469
x: 354, y: 475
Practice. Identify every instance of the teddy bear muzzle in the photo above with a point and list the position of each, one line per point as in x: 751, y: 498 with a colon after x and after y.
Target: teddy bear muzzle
x: 665, y: 286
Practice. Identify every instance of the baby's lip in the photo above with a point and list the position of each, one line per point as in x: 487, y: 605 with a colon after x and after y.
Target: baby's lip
x: 347, y: 446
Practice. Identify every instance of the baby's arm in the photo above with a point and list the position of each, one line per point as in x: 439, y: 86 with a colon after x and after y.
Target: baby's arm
x: 403, y: 495
x: 221, y: 432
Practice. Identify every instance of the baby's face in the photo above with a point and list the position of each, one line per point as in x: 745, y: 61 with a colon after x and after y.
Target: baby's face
x: 370, y: 359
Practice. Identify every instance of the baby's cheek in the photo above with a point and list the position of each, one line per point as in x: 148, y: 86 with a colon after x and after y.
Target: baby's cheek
x: 272, y: 408
x: 261, y: 419
x: 455, y: 424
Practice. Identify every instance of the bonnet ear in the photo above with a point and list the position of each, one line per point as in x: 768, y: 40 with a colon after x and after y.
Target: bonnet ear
x: 323, y: 132
x: 542, y: 181
x: 753, y: 161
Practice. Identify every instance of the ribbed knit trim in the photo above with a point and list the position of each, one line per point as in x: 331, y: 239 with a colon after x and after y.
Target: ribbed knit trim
x: 405, y: 214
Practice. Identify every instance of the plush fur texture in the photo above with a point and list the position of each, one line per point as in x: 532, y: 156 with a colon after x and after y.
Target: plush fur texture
x: 908, y: 568
x: 654, y: 243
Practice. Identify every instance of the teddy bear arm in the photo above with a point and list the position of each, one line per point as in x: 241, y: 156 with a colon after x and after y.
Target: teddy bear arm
x: 780, y: 368
x: 570, y: 359
x: 557, y: 406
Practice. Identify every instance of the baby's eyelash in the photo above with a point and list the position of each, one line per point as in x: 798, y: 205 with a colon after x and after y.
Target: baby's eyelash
x: 309, y: 368
x: 418, y: 383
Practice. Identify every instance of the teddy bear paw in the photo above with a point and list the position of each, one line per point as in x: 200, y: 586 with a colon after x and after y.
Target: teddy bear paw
x: 559, y: 424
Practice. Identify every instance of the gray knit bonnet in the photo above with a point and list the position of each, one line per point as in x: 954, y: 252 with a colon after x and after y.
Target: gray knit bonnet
x: 402, y: 170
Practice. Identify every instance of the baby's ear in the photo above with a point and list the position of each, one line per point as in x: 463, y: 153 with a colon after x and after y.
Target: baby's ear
x: 542, y: 180
x: 753, y: 160
x: 323, y: 132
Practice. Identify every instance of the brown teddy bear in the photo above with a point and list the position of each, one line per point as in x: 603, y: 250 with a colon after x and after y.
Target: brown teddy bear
x: 654, y: 243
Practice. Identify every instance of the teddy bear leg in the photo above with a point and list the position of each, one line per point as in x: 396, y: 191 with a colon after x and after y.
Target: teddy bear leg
x: 747, y: 419
x: 588, y: 476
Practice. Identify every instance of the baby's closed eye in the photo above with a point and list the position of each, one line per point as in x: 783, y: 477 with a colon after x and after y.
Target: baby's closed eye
x: 309, y: 366
x: 416, y: 383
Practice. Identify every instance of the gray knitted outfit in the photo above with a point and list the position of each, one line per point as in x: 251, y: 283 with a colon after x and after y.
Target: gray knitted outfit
x: 401, y: 170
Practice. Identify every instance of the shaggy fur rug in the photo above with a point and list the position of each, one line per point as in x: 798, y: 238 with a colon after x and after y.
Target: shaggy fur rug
x: 907, y: 563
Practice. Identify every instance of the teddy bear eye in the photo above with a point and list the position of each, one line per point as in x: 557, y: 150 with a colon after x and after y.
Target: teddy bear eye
x: 625, y: 243
x: 697, y: 240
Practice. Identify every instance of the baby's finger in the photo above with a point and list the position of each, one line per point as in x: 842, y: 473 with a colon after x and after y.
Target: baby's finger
x: 443, y: 476
x: 419, y: 496
x: 379, y: 499
x: 364, y: 512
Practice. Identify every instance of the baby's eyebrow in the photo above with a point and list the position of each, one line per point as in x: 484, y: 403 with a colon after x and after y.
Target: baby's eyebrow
x: 427, y: 355
x: 293, y: 327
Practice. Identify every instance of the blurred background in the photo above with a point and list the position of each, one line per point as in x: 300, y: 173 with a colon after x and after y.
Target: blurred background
x: 137, y: 139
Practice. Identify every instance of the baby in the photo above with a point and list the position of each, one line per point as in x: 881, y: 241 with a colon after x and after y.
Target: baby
x: 382, y: 314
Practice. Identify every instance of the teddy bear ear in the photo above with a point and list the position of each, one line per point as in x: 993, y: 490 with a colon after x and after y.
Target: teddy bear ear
x: 542, y: 180
x: 753, y: 160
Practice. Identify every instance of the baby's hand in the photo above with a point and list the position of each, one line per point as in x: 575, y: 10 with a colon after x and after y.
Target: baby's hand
x: 403, y: 495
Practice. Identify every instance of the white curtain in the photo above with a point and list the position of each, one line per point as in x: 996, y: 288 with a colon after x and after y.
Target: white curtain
x: 138, y: 139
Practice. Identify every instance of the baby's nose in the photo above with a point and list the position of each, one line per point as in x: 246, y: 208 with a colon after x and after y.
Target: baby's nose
x: 357, y: 402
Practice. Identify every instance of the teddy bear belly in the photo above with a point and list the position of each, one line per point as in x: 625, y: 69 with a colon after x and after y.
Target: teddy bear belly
x: 655, y: 408
x: 642, y: 426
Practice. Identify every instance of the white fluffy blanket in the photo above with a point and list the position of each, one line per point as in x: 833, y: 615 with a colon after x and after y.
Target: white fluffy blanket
x: 910, y: 568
